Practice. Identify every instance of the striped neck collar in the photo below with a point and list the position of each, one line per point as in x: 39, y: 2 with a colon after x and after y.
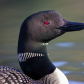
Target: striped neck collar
x: 24, y: 56
x: 43, y: 43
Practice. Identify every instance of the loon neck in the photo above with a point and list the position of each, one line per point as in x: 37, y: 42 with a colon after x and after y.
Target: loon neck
x: 35, y: 62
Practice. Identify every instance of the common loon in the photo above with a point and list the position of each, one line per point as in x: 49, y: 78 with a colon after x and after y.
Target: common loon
x: 35, y: 33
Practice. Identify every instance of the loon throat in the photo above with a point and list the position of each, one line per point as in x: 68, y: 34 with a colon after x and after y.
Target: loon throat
x: 35, y: 63
x: 24, y: 56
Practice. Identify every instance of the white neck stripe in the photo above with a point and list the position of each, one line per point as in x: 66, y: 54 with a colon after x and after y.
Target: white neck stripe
x: 24, y: 56
x: 43, y: 43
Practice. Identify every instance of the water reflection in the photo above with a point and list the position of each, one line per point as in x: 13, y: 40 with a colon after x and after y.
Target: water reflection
x: 66, y: 72
x: 65, y: 44
x: 75, y: 82
x: 59, y: 63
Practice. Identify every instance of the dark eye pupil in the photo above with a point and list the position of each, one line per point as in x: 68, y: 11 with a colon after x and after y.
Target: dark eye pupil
x: 46, y: 22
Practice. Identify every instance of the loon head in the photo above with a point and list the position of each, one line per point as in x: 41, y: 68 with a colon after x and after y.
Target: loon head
x: 36, y: 31
x: 40, y: 27
x: 44, y: 26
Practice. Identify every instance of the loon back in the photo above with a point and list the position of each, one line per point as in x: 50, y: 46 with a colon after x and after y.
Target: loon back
x: 9, y: 75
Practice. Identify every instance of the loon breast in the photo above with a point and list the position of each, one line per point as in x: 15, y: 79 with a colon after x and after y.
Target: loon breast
x: 57, y: 77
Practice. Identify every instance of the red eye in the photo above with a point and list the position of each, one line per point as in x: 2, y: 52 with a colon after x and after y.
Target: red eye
x: 46, y: 22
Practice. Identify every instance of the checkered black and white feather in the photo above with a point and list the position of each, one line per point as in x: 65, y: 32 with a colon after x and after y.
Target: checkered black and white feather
x: 9, y: 75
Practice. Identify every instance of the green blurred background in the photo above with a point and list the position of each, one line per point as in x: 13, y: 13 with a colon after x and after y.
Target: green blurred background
x: 12, y: 14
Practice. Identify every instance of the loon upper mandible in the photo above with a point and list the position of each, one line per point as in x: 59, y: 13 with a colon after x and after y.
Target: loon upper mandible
x: 35, y: 33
